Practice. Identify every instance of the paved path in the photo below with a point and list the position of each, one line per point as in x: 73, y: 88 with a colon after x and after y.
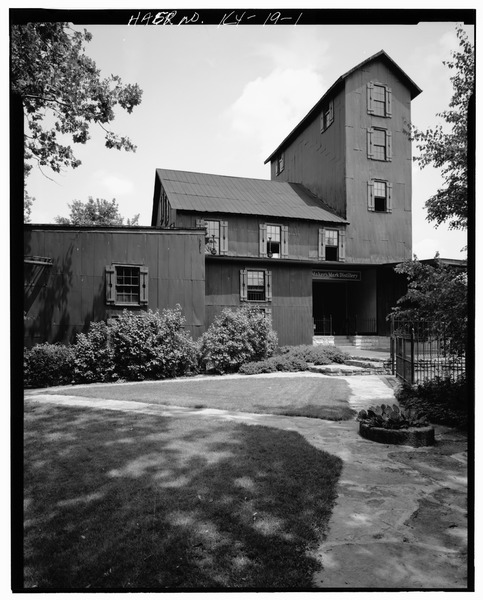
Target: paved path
x: 400, y: 518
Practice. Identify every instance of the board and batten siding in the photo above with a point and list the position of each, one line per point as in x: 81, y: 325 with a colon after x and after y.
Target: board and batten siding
x: 243, y: 232
x: 377, y: 237
x: 71, y: 292
x: 316, y: 159
x: 291, y: 305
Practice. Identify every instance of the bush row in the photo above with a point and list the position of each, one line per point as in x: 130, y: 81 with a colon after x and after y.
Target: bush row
x: 151, y: 345
x: 444, y: 401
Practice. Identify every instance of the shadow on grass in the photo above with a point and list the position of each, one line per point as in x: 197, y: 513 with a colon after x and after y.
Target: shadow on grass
x: 119, y: 500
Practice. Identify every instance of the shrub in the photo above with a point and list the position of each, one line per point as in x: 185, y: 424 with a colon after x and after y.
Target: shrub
x: 93, y: 355
x: 393, y: 417
x: 444, y: 400
x: 48, y: 364
x: 273, y: 364
x: 236, y: 337
x: 317, y: 355
x: 151, y: 345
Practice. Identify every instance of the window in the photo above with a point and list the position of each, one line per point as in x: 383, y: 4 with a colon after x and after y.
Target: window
x: 255, y: 285
x: 379, y: 100
x: 332, y: 244
x: 327, y: 116
x: 379, y: 196
x: 379, y: 144
x: 216, y: 237
x: 126, y: 285
x: 273, y: 241
x: 212, y: 238
x: 280, y: 163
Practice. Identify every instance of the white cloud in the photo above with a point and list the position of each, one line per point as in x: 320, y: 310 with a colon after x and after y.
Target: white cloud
x: 270, y: 107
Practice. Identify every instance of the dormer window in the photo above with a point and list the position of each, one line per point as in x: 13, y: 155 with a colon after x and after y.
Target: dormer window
x: 280, y: 163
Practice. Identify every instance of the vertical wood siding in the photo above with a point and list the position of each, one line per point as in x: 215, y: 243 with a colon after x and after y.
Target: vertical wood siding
x: 291, y: 296
x: 73, y: 292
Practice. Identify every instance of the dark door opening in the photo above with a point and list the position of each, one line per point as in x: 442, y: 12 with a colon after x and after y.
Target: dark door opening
x: 330, y: 308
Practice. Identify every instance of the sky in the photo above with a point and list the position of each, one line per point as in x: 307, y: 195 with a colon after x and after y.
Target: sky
x: 220, y: 100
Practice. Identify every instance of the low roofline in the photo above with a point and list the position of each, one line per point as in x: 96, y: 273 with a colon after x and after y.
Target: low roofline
x: 414, y: 89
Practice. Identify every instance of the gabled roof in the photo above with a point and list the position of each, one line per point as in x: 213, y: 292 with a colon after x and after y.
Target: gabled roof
x: 206, y: 193
x: 381, y: 55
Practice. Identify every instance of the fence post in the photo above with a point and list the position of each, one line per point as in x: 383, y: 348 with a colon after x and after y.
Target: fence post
x: 412, y: 355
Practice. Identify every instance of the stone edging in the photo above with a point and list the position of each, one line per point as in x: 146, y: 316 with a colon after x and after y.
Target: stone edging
x: 413, y: 436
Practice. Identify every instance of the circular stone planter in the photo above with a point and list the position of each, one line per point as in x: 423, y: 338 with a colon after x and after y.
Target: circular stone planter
x: 412, y: 436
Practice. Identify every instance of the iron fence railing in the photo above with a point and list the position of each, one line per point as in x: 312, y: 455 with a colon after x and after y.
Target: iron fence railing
x: 420, y: 352
x: 332, y: 325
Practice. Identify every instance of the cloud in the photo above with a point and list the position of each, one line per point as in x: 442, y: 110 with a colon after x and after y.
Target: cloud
x: 270, y: 107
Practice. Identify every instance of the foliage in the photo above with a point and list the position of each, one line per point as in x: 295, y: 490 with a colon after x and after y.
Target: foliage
x: 62, y: 93
x: 95, y: 212
x: 388, y: 417
x: 317, y: 355
x: 437, y: 294
x: 151, y: 345
x: 448, y: 150
x: 93, y: 355
x: 443, y: 400
x: 46, y: 364
x: 274, y: 364
x: 236, y: 337
x: 27, y: 206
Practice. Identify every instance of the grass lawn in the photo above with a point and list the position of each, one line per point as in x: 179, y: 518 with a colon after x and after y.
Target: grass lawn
x: 317, y: 397
x: 117, y: 500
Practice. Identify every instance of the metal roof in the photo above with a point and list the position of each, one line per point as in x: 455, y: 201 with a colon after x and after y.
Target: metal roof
x: 381, y: 55
x: 207, y: 193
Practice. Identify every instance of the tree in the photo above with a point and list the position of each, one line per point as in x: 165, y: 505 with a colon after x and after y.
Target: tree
x: 447, y: 150
x: 27, y: 206
x: 438, y: 294
x: 97, y: 212
x: 62, y: 93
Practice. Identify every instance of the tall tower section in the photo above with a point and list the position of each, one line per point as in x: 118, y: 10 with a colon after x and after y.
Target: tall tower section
x: 352, y: 150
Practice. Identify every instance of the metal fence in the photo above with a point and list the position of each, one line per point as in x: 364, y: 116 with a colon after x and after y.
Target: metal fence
x: 329, y: 325
x: 419, y: 352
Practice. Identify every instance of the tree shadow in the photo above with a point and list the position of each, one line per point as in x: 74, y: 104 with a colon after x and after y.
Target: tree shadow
x: 130, y: 501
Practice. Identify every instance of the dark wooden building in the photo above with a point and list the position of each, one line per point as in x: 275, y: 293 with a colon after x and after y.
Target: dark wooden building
x: 314, y: 247
x: 75, y: 275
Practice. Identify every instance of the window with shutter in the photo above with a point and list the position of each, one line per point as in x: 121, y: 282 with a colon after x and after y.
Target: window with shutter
x: 379, y: 99
x: 379, y: 144
x: 255, y: 285
x: 127, y: 285
x: 379, y: 196
x: 331, y: 244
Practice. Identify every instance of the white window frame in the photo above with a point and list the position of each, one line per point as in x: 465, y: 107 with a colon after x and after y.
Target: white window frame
x: 264, y: 241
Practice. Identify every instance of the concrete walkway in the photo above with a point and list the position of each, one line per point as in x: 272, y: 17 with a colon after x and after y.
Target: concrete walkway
x: 400, y: 518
